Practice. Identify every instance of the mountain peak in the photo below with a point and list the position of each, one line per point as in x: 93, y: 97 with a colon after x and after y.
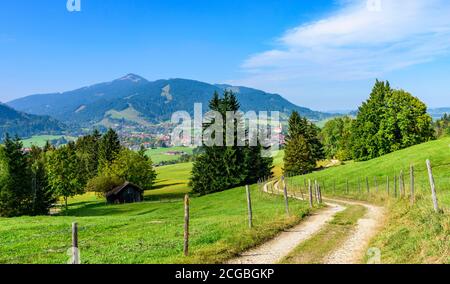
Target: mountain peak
x: 133, y: 78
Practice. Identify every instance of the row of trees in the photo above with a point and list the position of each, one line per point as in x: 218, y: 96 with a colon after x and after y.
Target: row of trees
x: 218, y: 168
x: 31, y: 182
x: 388, y: 121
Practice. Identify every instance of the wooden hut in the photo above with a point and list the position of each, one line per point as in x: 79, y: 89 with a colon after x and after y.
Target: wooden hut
x: 126, y: 193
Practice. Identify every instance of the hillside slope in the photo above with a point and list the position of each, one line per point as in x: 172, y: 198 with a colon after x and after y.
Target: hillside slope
x: 25, y: 125
x: 139, y: 102
x: 412, y: 233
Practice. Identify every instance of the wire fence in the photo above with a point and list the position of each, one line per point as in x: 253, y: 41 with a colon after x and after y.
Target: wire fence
x: 410, y: 183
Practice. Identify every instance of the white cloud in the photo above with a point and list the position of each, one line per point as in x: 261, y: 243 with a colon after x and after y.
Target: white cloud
x: 356, y: 43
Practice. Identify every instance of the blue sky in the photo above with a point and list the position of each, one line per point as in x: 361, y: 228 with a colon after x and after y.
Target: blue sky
x: 323, y: 54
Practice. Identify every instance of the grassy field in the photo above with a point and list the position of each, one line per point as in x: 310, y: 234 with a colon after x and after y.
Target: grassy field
x: 149, y: 232
x: 412, y: 234
x: 171, y: 183
x: 160, y: 154
x: 40, y: 140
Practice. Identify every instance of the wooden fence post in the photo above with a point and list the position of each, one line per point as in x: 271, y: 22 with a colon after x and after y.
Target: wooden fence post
x: 319, y: 192
x: 315, y: 192
x: 387, y: 186
x: 346, y: 189
x: 249, y: 207
x: 310, y: 194
x: 411, y: 175
x: 75, y: 250
x: 433, y: 187
x: 359, y: 185
x: 286, y: 199
x: 334, y: 187
x: 395, y: 186
x: 367, y: 185
x: 186, y: 225
x: 375, y: 180
x: 402, y: 184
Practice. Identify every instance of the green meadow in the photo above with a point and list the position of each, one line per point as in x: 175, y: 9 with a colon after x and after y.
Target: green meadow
x: 152, y: 231
x: 161, y: 154
x: 40, y: 140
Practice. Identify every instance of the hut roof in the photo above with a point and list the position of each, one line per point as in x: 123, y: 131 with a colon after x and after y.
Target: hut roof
x: 118, y: 189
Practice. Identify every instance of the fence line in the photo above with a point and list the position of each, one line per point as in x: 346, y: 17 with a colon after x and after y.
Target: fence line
x: 396, y: 186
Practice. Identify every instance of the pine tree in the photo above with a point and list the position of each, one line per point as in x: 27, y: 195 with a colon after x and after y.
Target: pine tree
x: 87, y: 148
x: 256, y: 166
x: 218, y: 167
x: 15, y: 181
x: 298, y: 158
x: 108, y: 149
x: 302, y: 136
x: 42, y: 194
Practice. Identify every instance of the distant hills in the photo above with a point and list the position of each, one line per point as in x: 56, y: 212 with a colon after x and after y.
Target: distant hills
x: 26, y: 125
x: 134, y: 101
x: 437, y: 113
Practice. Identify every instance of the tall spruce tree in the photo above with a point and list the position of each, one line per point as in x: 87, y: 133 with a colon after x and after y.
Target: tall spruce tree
x: 303, y: 147
x: 15, y: 179
x: 108, y: 149
x: 298, y: 157
x: 43, y: 196
x: 218, y: 167
x: 88, y: 154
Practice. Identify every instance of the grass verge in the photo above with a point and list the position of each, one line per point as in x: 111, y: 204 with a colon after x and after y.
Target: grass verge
x: 414, y: 234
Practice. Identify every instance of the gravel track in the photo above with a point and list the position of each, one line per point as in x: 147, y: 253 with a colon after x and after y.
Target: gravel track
x: 352, y: 250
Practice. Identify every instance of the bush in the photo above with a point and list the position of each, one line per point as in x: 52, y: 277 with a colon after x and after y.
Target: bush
x: 103, y: 183
x: 133, y: 167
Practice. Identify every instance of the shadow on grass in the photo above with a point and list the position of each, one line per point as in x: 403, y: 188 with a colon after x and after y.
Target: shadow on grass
x: 161, y: 186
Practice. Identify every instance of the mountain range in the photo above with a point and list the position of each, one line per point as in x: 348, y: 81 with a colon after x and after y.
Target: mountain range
x: 26, y: 125
x: 135, y: 101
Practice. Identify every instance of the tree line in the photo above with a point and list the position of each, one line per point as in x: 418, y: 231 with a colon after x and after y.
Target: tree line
x: 31, y: 182
x: 390, y: 120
